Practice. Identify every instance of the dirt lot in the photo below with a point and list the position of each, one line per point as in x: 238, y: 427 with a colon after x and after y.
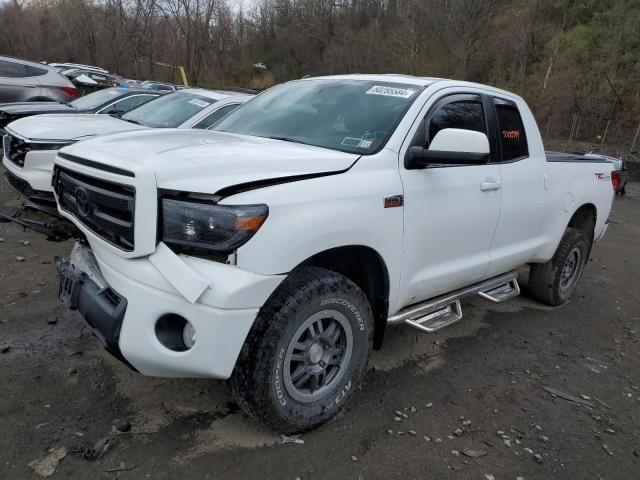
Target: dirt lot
x: 478, y: 388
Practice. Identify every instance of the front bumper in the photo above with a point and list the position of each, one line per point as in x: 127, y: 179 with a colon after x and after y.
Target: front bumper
x: 39, y: 199
x: 37, y: 169
x: 222, y: 316
x: 102, y: 308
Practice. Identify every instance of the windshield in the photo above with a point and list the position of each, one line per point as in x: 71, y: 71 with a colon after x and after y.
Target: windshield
x: 353, y: 116
x: 96, y: 99
x: 168, y: 111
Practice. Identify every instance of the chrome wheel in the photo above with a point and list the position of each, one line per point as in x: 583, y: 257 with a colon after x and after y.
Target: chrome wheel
x: 318, y: 355
x: 571, y: 268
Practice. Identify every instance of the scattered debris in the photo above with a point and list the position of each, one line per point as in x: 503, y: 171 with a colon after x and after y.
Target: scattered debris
x: 46, y: 466
x: 412, y: 432
x: 606, y: 448
x: 466, y: 423
x: 122, y: 468
x: 73, y: 371
x: 455, y: 453
x: 438, y: 440
x: 429, y: 405
x: 97, y: 451
x: 5, y: 348
x: 471, y: 453
x: 543, y: 438
x: 610, y: 431
x: 428, y: 439
x: 19, y: 259
x: 283, y: 438
x: 458, y: 432
x: 567, y: 396
x: 25, y: 242
x: 538, y: 458
x: 507, y: 443
x: 123, y: 425
x: 413, y: 409
x: 488, y: 476
x: 52, y: 321
x: 354, y: 458
x: 397, y: 419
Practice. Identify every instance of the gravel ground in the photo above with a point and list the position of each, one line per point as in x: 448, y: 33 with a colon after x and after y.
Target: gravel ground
x: 517, y: 390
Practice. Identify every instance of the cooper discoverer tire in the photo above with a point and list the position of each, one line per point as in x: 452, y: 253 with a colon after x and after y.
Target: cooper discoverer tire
x: 554, y: 282
x: 305, y: 353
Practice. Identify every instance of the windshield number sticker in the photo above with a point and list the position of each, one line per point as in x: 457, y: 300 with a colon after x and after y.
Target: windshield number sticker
x: 198, y: 103
x: 390, y: 91
x: 351, y: 142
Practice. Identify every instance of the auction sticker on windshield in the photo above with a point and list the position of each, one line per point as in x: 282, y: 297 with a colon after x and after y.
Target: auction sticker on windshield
x: 198, y: 103
x: 391, y: 91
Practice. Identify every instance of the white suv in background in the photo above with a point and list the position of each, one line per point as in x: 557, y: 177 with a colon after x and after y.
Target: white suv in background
x: 30, y: 144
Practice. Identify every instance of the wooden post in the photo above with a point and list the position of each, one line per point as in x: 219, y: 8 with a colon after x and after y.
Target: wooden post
x: 633, y: 144
x: 604, y: 135
x: 546, y: 134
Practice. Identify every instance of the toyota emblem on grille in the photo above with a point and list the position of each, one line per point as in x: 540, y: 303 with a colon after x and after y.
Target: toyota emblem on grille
x: 82, y: 201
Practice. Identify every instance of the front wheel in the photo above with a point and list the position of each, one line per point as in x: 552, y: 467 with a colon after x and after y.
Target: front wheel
x: 554, y: 282
x: 306, y: 352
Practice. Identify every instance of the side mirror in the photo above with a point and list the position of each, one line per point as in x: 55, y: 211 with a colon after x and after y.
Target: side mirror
x: 450, y: 146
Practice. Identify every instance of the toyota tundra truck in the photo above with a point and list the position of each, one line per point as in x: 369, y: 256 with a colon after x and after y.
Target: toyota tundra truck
x: 274, y: 250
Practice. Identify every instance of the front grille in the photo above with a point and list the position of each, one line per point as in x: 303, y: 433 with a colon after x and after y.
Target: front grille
x: 15, y: 149
x: 107, y: 208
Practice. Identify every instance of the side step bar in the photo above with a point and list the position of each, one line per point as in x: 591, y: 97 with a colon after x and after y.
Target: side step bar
x: 440, y: 312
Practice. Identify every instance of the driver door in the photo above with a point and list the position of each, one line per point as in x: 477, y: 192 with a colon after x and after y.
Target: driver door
x: 450, y: 211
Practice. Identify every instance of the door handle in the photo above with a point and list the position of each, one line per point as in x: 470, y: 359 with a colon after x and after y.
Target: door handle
x: 29, y: 86
x: 490, y: 184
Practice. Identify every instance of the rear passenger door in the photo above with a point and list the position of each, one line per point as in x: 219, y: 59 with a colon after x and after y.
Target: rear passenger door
x: 16, y: 83
x: 522, y: 165
x: 451, y: 212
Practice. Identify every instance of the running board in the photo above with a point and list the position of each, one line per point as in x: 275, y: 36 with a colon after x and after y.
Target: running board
x: 502, y: 293
x: 440, y: 312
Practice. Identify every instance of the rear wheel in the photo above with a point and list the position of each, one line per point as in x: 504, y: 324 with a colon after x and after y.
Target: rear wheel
x: 306, y: 352
x: 555, y: 281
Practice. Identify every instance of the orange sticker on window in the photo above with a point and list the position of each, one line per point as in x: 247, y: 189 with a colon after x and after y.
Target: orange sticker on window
x: 511, y: 134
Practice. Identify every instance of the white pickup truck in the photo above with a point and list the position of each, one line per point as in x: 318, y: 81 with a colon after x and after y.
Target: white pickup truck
x: 274, y: 250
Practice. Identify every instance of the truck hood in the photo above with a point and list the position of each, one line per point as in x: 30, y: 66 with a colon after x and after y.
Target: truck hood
x: 206, y: 162
x: 69, y: 127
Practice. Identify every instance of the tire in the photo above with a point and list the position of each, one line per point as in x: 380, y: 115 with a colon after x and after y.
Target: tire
x: 554, y: 282
x: 623, y: 191
x: 279, y: 383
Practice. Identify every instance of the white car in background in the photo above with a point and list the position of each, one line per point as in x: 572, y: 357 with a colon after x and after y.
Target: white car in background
x: 30, y: 144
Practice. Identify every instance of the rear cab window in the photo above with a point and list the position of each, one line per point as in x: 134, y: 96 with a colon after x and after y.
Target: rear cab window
x: 513, y: 139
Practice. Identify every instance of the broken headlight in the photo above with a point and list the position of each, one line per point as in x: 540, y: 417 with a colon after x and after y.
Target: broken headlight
x: 210, y: 227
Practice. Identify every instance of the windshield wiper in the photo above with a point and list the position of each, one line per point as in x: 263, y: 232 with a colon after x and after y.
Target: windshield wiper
x: 135, y: 122
x: 288, y: 139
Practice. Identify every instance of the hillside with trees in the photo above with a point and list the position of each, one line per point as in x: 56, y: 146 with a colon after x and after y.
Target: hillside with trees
x: 577, y: 62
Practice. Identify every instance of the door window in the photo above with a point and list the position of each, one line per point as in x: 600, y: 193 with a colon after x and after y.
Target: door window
x: 12, y: 70
x: 463, y: 114
x: 216, y: 116
x: 512, y: 135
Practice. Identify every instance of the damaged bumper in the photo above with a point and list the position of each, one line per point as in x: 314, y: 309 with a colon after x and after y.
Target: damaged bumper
x: 132, y: 311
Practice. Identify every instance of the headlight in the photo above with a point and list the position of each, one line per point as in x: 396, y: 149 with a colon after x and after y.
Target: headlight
x: 214, y: 228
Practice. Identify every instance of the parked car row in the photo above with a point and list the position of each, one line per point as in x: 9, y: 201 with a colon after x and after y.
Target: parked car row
x: 30, y: 144
x: 273, y: 243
